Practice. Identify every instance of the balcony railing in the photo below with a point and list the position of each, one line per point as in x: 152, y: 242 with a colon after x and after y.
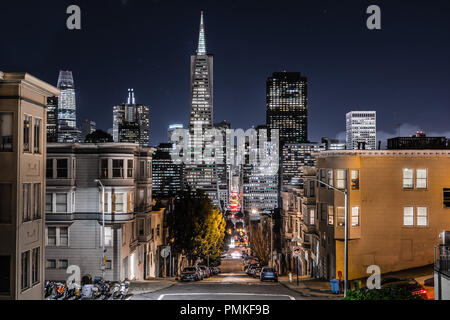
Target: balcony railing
x: 442, y: 260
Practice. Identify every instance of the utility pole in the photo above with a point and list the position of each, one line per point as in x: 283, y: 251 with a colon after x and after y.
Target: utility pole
x: 103, y: 226
x: 345, y: 192
x: 271, y: 240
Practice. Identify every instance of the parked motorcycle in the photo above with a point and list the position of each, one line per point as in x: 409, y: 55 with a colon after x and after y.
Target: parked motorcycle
x: 73, y: 292
x: 61, y: 291
x: 49, y: 289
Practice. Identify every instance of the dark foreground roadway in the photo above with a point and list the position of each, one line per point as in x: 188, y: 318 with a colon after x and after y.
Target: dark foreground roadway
x: 231, y: 285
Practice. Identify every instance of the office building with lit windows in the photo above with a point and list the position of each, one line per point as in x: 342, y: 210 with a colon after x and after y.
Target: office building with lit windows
x: 52, y: 119
x: 286, y: 106
x: 198, y: 175
x: 167, y: 175
x: 294, y: 156
x: 131, y: 122
x: 361, y: 130
x: 67, y: 117
x: 23, y: 101
x: 73, y: 209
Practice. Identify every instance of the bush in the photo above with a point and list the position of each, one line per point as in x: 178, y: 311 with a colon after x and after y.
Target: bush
x: 387, y: 293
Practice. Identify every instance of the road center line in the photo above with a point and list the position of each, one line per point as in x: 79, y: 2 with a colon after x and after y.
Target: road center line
x: 226, y: 294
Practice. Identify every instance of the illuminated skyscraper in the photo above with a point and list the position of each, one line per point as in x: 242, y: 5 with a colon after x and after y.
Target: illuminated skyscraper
x: 361, y: 130
x: 131, y: 121
x: 52, y: 119
x: 67, y: 118
x: 286, y: 106
x: 199, y: 175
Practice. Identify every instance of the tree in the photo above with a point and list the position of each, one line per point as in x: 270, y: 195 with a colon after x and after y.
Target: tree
x: 197, y: 227
x: 98, y: 136
x: 260, y: 241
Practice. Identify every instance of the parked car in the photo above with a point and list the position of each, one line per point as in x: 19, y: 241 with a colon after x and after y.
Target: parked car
x: 190, y: 273
x: 257, y: 272
x: 387, y: 280
x: 410, y: 284
x: 206, y: 271
x: 268, y: 273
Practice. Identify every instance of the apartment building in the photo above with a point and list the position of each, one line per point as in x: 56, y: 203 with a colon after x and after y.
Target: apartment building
x: 302, y: 232
x: 73, y: 204
x: 399, y: 202
x: 23, y: 100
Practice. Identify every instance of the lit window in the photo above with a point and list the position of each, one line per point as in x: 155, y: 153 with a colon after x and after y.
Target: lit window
x: 311, y: 216
x: 117, y: 202
x: 340, y: 179
x: 355, y: 216
x: 408, y: 179
x: 408, y: 216
x: 355, y: 179
x: 330, y: 215
x: 340, y: 215
x: 26, y: 133
x: 421, y: 178
x: 422, y: 216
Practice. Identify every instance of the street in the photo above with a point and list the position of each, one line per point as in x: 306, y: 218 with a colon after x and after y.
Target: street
x: 231, y: 284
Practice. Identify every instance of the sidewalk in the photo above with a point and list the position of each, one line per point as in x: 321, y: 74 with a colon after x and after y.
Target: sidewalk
x: 148, y: 286
x: 310, y: 287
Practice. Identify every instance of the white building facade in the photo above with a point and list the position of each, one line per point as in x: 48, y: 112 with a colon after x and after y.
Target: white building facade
x: 361, y: 130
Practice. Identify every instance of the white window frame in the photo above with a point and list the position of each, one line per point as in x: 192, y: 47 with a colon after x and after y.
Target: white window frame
x: 421, y: 179
x: 421, y: 215
x: 356, y: 216
x: 340, y: 181
x: 409, y: 216
x: 408, y: 182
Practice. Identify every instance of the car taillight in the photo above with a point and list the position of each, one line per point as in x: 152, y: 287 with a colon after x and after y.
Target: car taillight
x: 421, y: 291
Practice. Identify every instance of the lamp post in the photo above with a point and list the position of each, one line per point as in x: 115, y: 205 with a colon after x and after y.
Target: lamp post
x: 103, y: 226
x: 345, y: 192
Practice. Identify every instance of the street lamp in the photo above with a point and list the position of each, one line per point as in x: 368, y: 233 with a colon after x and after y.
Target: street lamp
x: 103, y: 228
x: 345, y: 192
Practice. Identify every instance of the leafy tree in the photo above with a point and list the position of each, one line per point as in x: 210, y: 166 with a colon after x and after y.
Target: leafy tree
x: 197, y: 227
x: 98, y: 136
x: 260, y: 242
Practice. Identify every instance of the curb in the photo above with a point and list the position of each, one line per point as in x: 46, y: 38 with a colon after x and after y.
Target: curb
x: 151, y: 291
x: 309, y: 294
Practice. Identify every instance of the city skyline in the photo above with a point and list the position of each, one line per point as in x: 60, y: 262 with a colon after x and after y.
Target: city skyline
x: 351, y: 77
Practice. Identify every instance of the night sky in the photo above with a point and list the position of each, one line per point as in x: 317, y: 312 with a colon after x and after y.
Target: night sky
x: 401, y: 71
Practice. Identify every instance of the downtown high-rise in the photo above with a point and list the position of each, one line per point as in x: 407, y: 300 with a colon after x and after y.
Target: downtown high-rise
x: 131, y: 121
x: 286, y: 106
x: 197, y: 174
x: 67, y: 118
x: 361, y: 130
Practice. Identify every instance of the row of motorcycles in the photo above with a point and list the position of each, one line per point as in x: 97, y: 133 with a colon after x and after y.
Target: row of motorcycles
x: 98, y: 289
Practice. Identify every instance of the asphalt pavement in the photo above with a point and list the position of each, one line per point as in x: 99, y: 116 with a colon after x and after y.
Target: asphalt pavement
x: 231, y: 285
